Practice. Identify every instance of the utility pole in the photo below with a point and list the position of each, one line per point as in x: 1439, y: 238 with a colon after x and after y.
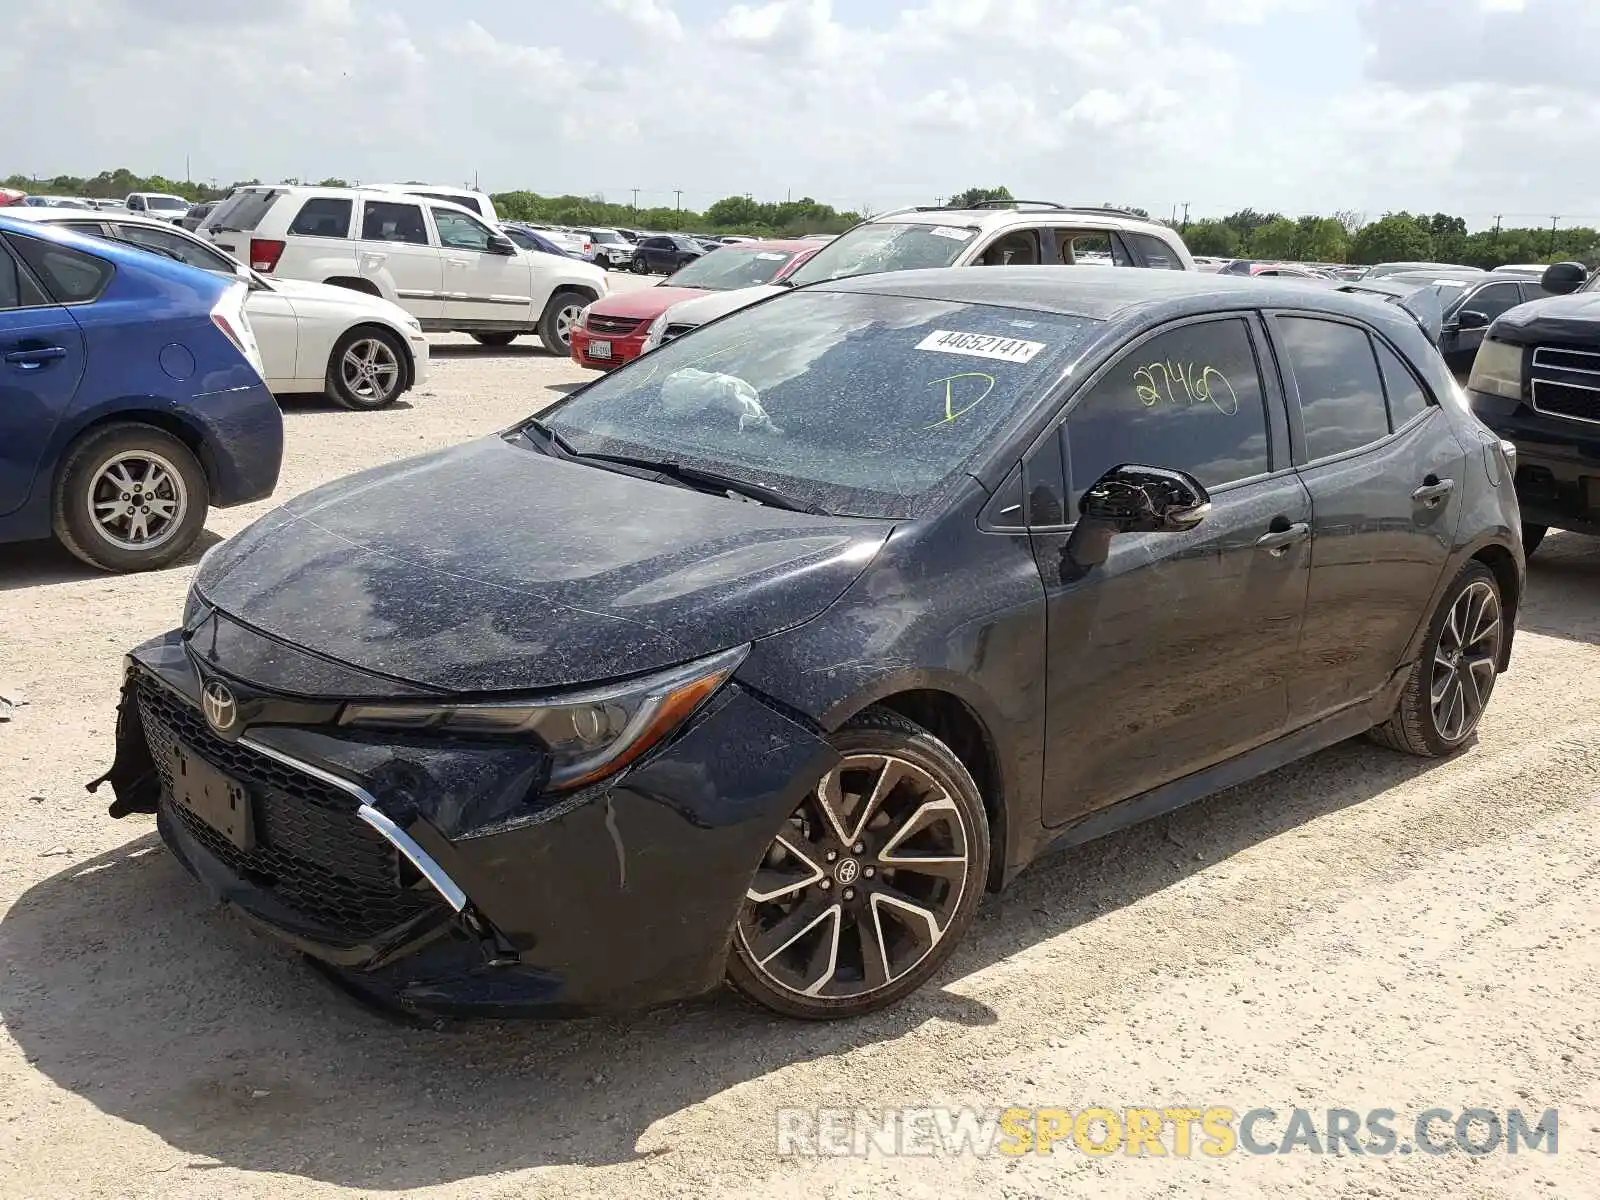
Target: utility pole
x: 1185, y: 216
x: 1550, y: 252
x: 678, y: 198
x: 1174, y: 219
x: 187, y: 177
x: 635, y: 199
x: 1496, y: 243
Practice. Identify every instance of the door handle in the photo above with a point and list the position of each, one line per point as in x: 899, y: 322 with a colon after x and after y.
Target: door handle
x: 36, y: 357
x: 1277, y: 541
x: 1433, y: 491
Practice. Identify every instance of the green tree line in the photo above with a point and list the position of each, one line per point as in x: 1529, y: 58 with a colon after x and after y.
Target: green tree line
x: 1341, y: 237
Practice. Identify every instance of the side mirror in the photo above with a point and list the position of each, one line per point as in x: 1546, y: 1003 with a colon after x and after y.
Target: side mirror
x: 1561, y: 278
x: 1472, y: 319
x: 1135, y: 499
x: 499, y: 243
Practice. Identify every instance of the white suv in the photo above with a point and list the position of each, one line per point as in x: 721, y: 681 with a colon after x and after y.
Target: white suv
x: 996, y: 233
x: 444, y: 265
x: 157, y: 205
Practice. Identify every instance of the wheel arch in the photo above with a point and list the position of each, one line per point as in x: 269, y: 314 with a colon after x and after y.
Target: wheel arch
x: 1504, y: 565
x: 408, y: 361
x: 354, y: 283
x: 168, y: 422
x: 957, y: 724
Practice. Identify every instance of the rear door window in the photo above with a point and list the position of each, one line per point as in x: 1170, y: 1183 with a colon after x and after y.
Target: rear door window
x: 1189, y: 399
x: 1341, y: 398
x: 387, y: 221
x: 1076, y: 247
x: 323, y: 216
x: 69, y: 275
x: 242, y: 211
x: 16, y: 289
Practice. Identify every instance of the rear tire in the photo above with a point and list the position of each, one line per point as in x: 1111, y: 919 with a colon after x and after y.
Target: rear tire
x: 640, y: 267
x: 560, y: 315
x: 1532, y: 535
x: 129, y: 497
x: 839, y: 918
x: 1450, y: 683
x: 494, y: 339
x: 367, y: 369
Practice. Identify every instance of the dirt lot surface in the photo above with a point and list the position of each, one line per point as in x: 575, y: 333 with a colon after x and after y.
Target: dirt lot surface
x: 1360, y: 930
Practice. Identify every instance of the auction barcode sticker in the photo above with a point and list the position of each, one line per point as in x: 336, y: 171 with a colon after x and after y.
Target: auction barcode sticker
x: 980, y: 345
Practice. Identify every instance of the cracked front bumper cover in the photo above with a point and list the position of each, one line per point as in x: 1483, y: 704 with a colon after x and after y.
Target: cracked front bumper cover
x: 621, y: 896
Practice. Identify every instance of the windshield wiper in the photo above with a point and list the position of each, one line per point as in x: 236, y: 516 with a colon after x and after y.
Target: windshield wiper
x: 714, y: 481
x: 546, y: 439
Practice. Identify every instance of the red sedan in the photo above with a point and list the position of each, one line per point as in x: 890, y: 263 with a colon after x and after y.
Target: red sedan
x: 613, y: 330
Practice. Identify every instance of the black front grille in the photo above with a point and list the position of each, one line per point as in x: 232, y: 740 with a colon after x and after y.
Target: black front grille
x: 1566, y: 382
x: 613, y: 326
x: 311, y: 850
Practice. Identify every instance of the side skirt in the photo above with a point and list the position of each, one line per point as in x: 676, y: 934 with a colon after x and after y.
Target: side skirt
x: 1291, y: 747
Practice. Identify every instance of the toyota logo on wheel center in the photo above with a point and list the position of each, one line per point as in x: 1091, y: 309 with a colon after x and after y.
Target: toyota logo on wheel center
x: 846, y: 871
x: 220, y: 707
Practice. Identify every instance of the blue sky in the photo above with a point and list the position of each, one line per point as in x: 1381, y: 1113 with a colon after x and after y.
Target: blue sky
x: 1470, y: 106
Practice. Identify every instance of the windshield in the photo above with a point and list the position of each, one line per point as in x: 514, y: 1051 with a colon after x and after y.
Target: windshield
x: 856, y: 404
x: 608, y: 238
x: 1591, y: 284
x: 169, y: 203
x: 886, y: 246
x: 730, y: 267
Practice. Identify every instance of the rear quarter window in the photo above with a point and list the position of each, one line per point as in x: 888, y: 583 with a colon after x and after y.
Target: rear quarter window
x: 323, y: 216
x: 69, y: 275
x: 16, y: 289
x: 1156, y: 253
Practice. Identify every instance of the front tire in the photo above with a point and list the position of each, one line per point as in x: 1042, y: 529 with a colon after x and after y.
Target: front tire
x: 1532, y: 535
x: 560, y: 315
x: 1450, y: 683
x: 129, y: 497
x: 870, y: 884
x: 494, y: 339
x: 367, y: 369
x: 640, y: 266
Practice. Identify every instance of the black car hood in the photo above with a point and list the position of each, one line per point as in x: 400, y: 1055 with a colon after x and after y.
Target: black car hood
x: 1569, y: 320
x: 492, y: 567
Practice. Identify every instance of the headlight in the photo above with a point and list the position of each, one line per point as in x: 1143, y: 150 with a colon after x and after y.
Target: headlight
x: 652, y: 336
x: 583, y: 317
x: 1497, y: 370
x: 414, y: 323
x: 588, y: 735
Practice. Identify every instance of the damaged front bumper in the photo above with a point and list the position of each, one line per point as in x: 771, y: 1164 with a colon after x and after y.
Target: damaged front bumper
x: 429, y: 875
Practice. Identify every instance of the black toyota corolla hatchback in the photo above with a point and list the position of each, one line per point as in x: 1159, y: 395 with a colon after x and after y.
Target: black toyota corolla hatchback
x: 764, y: 657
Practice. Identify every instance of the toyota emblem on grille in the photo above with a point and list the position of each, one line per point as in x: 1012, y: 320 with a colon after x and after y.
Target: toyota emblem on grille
x: 221, y: 708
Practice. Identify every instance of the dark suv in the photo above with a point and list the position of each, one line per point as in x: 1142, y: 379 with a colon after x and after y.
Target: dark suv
x: 1536, y: 382
x: 817, y: 623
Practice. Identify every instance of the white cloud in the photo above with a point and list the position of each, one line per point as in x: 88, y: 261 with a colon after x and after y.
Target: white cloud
x: 653, y: 18
x: 1303, y: 105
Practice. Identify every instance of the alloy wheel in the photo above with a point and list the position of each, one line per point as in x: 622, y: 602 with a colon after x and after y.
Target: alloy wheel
x: 1465, y: 661
x: 370, y: 369
x: 137, y: 500
x: 861, y: 884
x: 566, y: 318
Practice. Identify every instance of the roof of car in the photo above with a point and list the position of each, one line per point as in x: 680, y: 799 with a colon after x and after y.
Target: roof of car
x: 1027, y: 213
x: 787, y: 245
x: 1099, y: 293
x: 84, y: 214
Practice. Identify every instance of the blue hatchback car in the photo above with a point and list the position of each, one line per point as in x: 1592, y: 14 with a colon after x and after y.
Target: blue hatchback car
x: 131, y: 398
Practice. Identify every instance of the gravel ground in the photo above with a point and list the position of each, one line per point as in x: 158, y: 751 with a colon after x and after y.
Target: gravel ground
x: 1359, y: 930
